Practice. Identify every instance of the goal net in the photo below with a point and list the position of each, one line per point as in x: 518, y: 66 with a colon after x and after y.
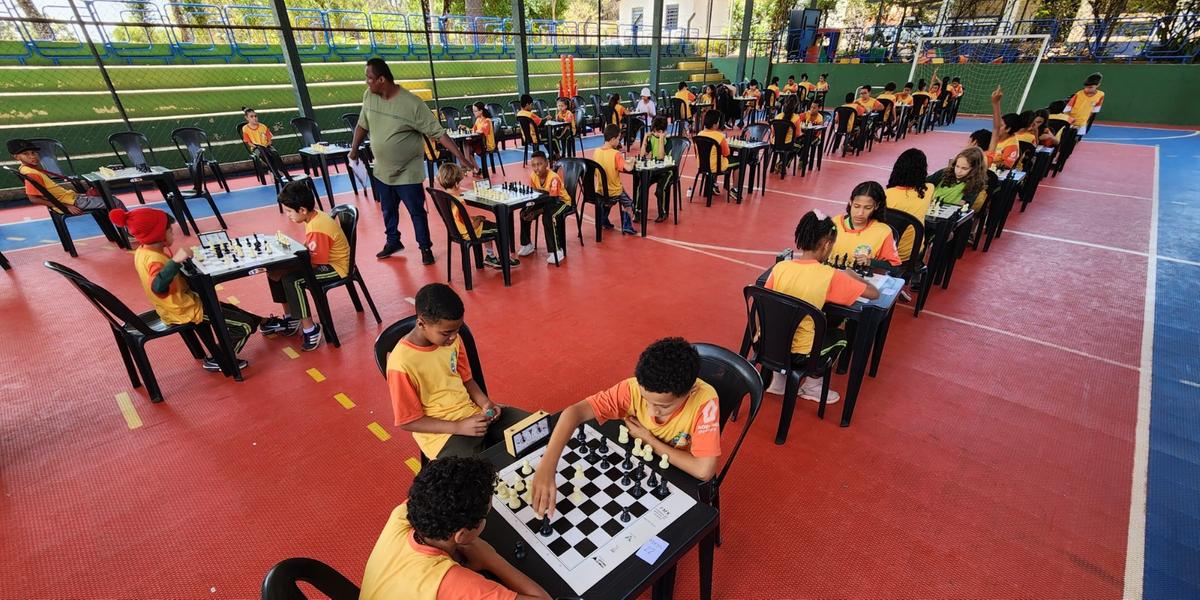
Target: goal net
x: 982, y: 62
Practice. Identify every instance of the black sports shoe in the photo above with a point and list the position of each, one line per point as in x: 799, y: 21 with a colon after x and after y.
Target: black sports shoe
x: 211, y: 365
x: 273, y: 325
x: 311, y: 339
x: 389, y: 249
x: 426, y: 256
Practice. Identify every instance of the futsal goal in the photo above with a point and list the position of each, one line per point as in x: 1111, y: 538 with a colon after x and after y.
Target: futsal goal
x: 982, y: 62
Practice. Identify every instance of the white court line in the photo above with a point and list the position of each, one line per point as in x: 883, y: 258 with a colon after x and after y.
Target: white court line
x: 1189, y: 383
x: 711, y: 247
x: 1149, y: 139
x: 1026, y: 338
x: 1135, y: 542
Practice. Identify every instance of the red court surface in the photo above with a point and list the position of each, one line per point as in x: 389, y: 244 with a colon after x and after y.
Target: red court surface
x: 990, y: 458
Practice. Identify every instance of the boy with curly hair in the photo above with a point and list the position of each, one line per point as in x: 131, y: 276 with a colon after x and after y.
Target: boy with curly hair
x: 430, y: 547
x: 665, y: 404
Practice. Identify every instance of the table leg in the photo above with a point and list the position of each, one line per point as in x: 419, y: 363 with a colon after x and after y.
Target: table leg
x: 864, y: 337
x: 212, y: 307
x: 504, y: 226
x: 350, y: 174
x: 707, y: 546
x: 741, y: 175
x: 324, y: 164
x: 643, y: 198
x: 751, y: 162
x: 664, y: 588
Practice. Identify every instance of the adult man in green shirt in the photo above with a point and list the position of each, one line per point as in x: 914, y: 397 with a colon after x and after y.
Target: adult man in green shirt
x: 397, y: 119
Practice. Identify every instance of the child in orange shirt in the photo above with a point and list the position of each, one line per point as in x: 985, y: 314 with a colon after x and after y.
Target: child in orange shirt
x: 554, y: 213
x: 72, y: 198
x: 808, y: 278
x: 1085, y: 104
x: 254, y: 134
x: 430, y: 547
x: 485, y: 143
x: 665, y: 404
x: 449, y: 175
x: 1005, y: 147
x: 610, y: 159
x: 720, y: 163
x: 863, y: 233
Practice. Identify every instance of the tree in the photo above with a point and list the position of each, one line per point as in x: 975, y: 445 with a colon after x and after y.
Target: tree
x: 31, y: 11
x: 1104, y: 14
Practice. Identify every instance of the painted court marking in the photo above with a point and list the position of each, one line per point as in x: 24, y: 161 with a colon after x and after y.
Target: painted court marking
x: 344, y: 400
x: 291, y: 352
x: 413, y: 463
x: 132, y: 419
x: 315, y: 374
x: 379, y: 431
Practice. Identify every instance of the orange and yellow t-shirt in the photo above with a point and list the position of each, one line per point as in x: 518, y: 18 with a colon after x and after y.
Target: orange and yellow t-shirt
x: 613, y: 163
x: 1081, y: 106
x: 695, y: 426
x: 537, y: 121
x: 402, y: 567
x: 430, y: 381
x: 552, y: 184
x: 464, y: 220
x: 875, y: 240
x: 180, y: 304
x: 815, y: 284
x: 327, y: 244
x: 1006, y: 153
x: 483, y: 126
x: 256, y: 136
x: 794, y: 132
x: 62, y: 194
x: 688, y: 98
x: 566, y: 116
x: 821, y: 86
x: 720, y: 162
x: 791, y: 87
x: 618, y: 115
x: 906, y: 199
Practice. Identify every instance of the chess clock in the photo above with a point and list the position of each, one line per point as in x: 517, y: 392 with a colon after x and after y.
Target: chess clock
x: 213, y: 238
x: 527, y: 434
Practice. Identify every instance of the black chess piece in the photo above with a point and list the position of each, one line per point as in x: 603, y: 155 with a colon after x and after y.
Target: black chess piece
x: 653, y: 480
x: 627, y: 464
x: 519, y: 550
x: 545, y: 530
x: 625, y: 480
x: 584, y: 449
x: 625, y: 516
x: 637, y: 491
x: 602, y: 448
x: 662, y: 491
x: 604, y: 464
x: 581, y: 436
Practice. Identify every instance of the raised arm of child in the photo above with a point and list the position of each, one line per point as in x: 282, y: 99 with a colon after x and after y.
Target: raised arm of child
x: 997, y: 124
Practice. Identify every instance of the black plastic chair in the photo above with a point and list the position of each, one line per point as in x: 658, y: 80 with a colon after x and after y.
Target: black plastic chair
x: 310, y: 133
x: 260, y: 167
x: 914, y: 267
x: 280, y: 581
x: 192, y: 141
x: 888, y: 122
x: 635, y: 129
x: 200, y: 187
x: 843, y: 131
x: 282, y: 176
x: 59, y: 215
x: 469, y: 244
x: 679, y: 146
x: 592, y: 174
x: 530, y: 140
x: 351, y: 121
x: 449, y: 116
x: 49, y: 149
x: 919, y: 113
x: 131, y: 149
x: 572, y: 170
x: 389, y: 337
x: 539, y: 107
x: 734, y: 379
x: 131, y: 331
x: 4, y: 262
x: 347, y: 217
x: 771, y: 322
x: 707, y: 151
x: 679, y: 123
x: 506, y: 130
x: 783, y: 150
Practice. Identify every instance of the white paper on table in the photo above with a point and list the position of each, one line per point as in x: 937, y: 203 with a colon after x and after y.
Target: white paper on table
x: 359, y: 170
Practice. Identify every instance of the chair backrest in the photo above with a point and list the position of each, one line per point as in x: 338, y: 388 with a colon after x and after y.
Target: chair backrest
x: 515, y: 106
x: 597, y: 105
x: 889, y: 109
x: 539, y: 107
x: 193, y: 139
x: 41, y: 189
x: 900, y: 222
x: 632, y: 130
x: 134, y: 145
x: 580, y: 103
x: 677, y: 109
x: 706, y: 152
x: 307, y: 129
x: 756, y: 132
x: 768, y: 97
x: 449, y: 116
x: 351, y: 120
x: 918, y: 104
x: 497, y: 113
x: 1054, y: 125
x: 527, y: 129
x: 388, y: 338
x: 571, y: 170
x: 771, y: 322
x: 196, y: 171
x: 346, y: 216
x: 444, y: 202
x: 48, y: 152
x: 845, y: 115
x: 118, y: 315
x: 734, y: 378
x: 280, y: 581
x: 780, y: 132
x: 678, y: 146
x: 1026, y: 156
x: 240, y: 127
x: 633, y: 97
x: 591, y: 173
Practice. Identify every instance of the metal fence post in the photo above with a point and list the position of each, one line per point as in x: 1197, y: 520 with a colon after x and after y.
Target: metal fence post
x: 291, y: 57
x: 747, y: 21
x: 656, y: 46
x: 518, y: 19
x: 100, y: 65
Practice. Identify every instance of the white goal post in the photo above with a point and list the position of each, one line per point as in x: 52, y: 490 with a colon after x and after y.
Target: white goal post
x: 923, y: 43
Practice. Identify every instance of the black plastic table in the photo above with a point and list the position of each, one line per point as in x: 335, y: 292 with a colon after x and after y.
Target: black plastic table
x: 503, y: 211
x: 695, y: 528
x: 643, y: 176
x: 323, y: 157
x: 161, y: 177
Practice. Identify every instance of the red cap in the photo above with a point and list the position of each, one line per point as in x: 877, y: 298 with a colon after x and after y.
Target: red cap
x: 147, y: 225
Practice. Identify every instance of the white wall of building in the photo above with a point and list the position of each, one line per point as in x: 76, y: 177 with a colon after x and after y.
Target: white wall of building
x: 629, y: 9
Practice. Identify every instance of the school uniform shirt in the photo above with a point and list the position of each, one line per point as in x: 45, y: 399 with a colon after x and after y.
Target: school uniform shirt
x: 483, y: 126
x: 552, y: 185
x: 754, y: 93
x: 868, y: 105
x: 402, y: 567
x: 810, y: 86
x: 695, y: 426
x: 816, y: 284
x: 430, y: 381
x: 707, y: 98
x: 257, y: 136
x: 857, y: 111
x: 180, y: 304
x: 566, y: 116
x: 688, y: 98
x: 794, y: 132
x: 903, y: 98
x: 956, y: 90
x: 655, y: 147
x: 327, y: 244
x: 613, y: 163
x: 1081, y: 106
x: 774, y: 88
x: 537, y: 121
x: 906, y: 199
x: 64, y: 195
x: 1061, y: 117
x: 618, y: 115
x: 463, y: 221
x: 821, y: 86
x: 720, y: 162
x: 1005, y: 155
x: 791, y: 88
x: 874, y: 240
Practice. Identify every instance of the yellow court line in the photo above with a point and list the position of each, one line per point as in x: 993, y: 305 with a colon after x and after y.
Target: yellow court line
x: 344, y: 400
x: 379, y: 431
x: 218, y: 287
x: 291, y: 352
x: 316, y: 375
x: 132, y: 419
x: 233, y: 300
x: 414, y: 464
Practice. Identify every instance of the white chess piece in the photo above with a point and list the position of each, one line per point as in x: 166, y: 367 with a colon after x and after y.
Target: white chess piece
x: 577, y: 495
x: 526, y: 468
x: 514, y: 502
x: 665, y: 462
x: 647, y: 453
x: 578, y: 474
x: 623, y: 435
x: 520, y: 486
x: 637, y: 446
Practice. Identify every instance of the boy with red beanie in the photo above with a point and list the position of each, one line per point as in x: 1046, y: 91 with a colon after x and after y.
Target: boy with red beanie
x: 158, y: 271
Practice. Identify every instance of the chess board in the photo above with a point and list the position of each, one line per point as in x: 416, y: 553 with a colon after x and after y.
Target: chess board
x: 507, y: 193
x: 247, y: 252
x: 736, y: 143
x: 128, y: 172
x: 945, y: 211
x: 588, y: 540
x: 653, y: 165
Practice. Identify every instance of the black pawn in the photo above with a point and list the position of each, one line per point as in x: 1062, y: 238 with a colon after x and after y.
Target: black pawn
x: 625, y: 516
x: 604, y: 464
x: 625, y: 480
x: 662, y: 491
x: 653, y: 480
x: 603, y: 447
x: 627, y: 464
x: 519, y: 550
x: 637, y: 491
x: 545, y: 530
x: 581, y: 436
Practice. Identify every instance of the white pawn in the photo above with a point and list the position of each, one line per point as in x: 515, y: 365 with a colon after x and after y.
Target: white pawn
x: 665, y: 462
x: 577, y: 495
x: 520, y: 485
x: 623, y: 435
x: 647, y: 453
x: 637, y: 447
x: 526, y: 468
x: 578, y: 474
x: 514, y: 502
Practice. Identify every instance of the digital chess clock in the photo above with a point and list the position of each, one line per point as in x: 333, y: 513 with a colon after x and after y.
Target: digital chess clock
x: 527, y: 434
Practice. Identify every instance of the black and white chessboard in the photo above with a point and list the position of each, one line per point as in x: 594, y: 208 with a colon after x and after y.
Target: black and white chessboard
x: 587, y: 539
x: 938, y: 210
x: 246, y: 252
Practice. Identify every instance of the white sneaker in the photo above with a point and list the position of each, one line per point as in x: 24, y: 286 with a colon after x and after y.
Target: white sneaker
x: 525, y: 250
x: 777, y: 384
x: 557, y: 257
x: 810, y: 389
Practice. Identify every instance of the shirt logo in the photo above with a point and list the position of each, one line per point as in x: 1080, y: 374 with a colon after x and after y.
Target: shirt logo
x: 681, y: 440
x: 454, y: 363
x: 862, y: 249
